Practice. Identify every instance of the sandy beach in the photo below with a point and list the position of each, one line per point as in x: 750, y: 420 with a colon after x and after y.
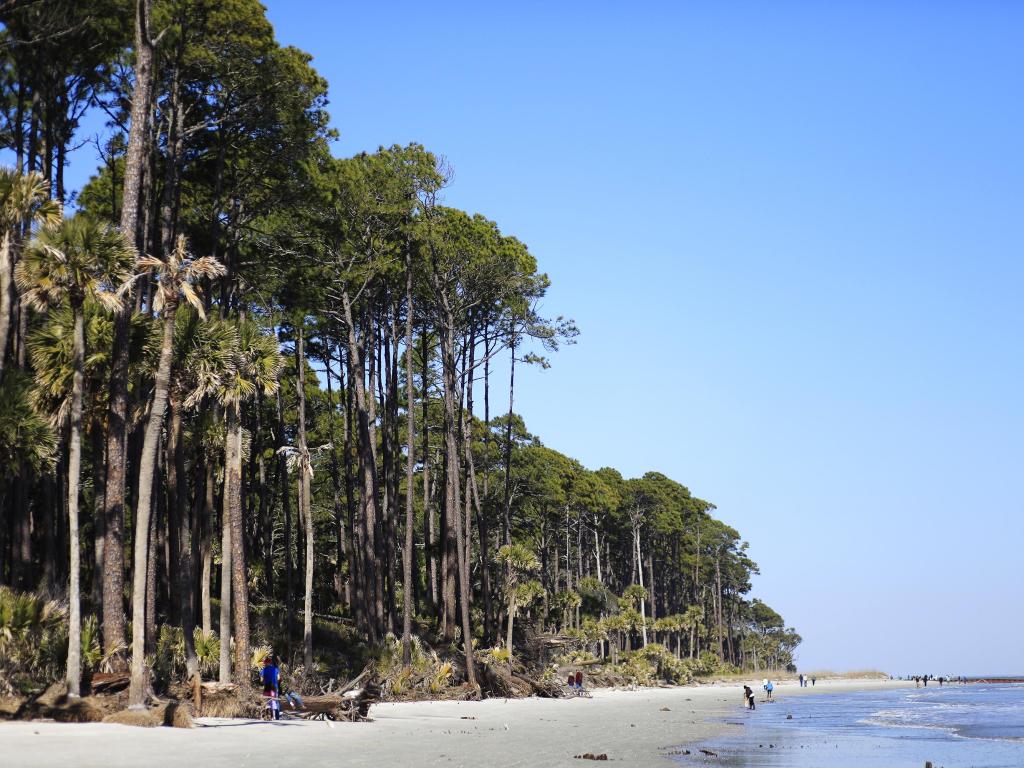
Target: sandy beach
x: 634, y: 728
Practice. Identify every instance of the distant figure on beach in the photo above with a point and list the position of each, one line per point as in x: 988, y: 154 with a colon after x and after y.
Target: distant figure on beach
x: 801, y: 681
x: 941, y: 681
x: 925, y: 681
x: 579, y: 681
x: 270, y: 676
x: 748, y: 697
x: 769, y: 687
x: 813, y: 680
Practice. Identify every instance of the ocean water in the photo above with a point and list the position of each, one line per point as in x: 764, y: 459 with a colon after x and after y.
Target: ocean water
x: 968, y: 726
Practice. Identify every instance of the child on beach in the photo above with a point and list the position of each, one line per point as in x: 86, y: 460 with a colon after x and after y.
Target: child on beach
x: 769, y: 687
x: 270, y: 677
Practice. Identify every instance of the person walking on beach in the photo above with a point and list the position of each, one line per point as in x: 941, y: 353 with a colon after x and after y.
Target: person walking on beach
x: 748, y: 697
x: 769, y: 687
x: 801, y: 681
x: 813, y: 680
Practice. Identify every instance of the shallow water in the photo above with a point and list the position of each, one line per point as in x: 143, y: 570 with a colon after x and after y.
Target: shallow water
x: 975, y: 726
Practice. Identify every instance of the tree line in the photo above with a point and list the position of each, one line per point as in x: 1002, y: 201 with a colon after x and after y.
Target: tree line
x: 245, y: 378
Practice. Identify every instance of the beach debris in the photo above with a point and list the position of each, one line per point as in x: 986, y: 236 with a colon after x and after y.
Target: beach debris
x: 709, y: 753
x: 789, y: 717
x: 467, y: 717
x: 591, y: 756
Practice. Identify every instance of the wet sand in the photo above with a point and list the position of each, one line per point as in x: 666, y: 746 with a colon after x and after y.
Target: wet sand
x: 634, y: 728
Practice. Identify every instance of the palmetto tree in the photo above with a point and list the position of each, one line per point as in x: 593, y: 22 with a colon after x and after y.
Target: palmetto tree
x: 256, y: 365
x: 69, y: 262
x: 518, y: 561
x: 692, y: 621
x: 203, y: 353
x: 175, y: 276
x: 25, y: 434
x: 23, y: 199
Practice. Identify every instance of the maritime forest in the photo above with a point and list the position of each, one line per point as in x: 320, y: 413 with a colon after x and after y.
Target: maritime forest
x: 257, y: 399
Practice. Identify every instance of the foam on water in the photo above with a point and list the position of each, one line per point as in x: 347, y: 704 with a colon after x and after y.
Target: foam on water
x: 976, y: 725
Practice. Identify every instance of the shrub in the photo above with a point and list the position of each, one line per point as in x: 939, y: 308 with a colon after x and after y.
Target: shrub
x: 33, y: 641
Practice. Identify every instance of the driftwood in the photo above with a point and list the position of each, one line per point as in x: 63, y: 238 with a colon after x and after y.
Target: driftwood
x: 350, y: 703
x: 496, y: 680
x: 109, y: 682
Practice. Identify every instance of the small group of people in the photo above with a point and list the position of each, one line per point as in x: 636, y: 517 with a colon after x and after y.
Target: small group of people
x: 270, y: 678
x: 920, y: 680
x: 575, y: 684
x: 804, y: 679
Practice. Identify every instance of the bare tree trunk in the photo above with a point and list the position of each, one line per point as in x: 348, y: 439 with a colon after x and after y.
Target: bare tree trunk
x: 239, y: 580
x: 452, y: 510
x: 507, y: 507
x: 206, y: 546
x: 7, y: 293
x: 282, y: 471
x: 304, y: 507
x: 147, y: 467
x: 224, y: 671
x: 368, y: 472
x: 183, y: 571
x: 407, y: 552
x: 74, y: 667
x: 135, y: 157
x: 428, y: 510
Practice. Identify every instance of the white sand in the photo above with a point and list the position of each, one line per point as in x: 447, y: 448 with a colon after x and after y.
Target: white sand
x: 627, y: 725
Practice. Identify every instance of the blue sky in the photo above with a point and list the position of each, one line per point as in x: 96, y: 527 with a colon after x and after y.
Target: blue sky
x: 791, y: 236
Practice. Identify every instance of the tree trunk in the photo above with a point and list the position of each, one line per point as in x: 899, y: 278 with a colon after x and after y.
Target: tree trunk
x: 113, y: 581
x: 511, y: 619
x: 147, y: 467
x: 640, y: 576
x: 368, y: 472
x: 452, y: 505
x: 7, y: 293
x: 239, y: 579
x: 74, y: 667
x: 305, y: 513
x: 407, y: 552
x: 282, y: 471
x: 430, y: 553
x: 206, y: 548
x: 224, y: 671
x: 183, y: 572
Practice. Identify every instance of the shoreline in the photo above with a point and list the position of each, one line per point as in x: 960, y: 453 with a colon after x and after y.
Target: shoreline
x: 634, y: 728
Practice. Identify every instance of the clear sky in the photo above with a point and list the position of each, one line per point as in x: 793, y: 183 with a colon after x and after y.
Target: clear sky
x: 791, y: 234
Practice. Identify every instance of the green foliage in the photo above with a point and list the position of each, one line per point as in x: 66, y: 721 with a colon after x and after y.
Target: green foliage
x: 207, y: 645
x: 168, y: 660
x: 33, y: 640
x: 25, y: 433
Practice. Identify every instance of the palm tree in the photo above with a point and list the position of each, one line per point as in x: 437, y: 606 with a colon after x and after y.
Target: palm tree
x: 175, y: 277
x: 692, y: 621
x: 75, y: 259
x: 518, y: 560
x: 25, y: 434
x: 202, y: 353
x: 23, y: 198
x: 256, y: 366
